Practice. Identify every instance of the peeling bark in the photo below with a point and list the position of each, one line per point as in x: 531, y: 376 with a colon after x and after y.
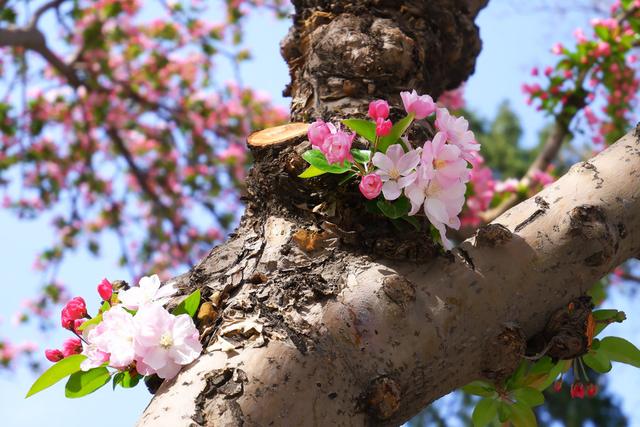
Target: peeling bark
x: 335, y: 337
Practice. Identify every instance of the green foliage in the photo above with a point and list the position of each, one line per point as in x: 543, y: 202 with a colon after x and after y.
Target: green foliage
x: 364, y: 128
x: 398, y: 129
x: 316, y: 158
x: 396, y: 209
x: 189, y: 305
x: 63, y: 368
x: 82, y: 383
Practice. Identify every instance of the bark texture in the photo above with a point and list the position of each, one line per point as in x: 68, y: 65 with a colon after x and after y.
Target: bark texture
x: 343, y: 54
x: 306, y: 331
x: 318, y: 313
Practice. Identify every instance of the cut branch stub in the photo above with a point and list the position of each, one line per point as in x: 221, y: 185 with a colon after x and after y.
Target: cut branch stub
x: 278, y: 135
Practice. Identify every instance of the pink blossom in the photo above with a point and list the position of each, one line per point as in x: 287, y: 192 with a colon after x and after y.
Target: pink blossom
x: 396, y: 168
x: 419, y: 105
x: 53, y: 355
x: 458, y: 133
x: 147, y: 291
x: 442, y: 205
x: 443, y: 162
x: 114, y: 336
x: 337, y: 147
x: 557, y: 49
x: 105, y: 290
x: 378, y: 109
x: 370, y: 186
x: 71, y: 346
x: 383, y: 127
x: 76, y: 308
x: 164, y: 342
x: 318, y: 132
x: 509, y: 185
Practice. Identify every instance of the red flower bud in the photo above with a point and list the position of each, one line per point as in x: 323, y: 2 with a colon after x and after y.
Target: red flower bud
x: 592, y: 390
x: 557, y: 386
x: 71, y: 346
x: 577, y: 391
x: 105, y: 290
x: 66, y: 320
x: 53, y: 355
x: 75, y: 309
x: 383, y: 127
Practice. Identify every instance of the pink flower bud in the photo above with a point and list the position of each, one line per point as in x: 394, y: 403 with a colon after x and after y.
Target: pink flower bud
x: 71, y: 346
x: 66, y: 320
x: 577, y: 391
x: 371, y: 186
x: 592, y: 390
x: 76, y: 308
x: 53, y: 355
x: 421, y: 106
x: 105, y: 290
x: 378, y: 109
x: 383, y: 127
x: 318, y: 132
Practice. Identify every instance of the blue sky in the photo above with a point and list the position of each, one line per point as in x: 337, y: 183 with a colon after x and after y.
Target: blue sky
x: 514, y: 41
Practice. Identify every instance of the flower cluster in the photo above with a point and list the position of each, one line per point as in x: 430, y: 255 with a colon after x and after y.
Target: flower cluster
x: 132, y: 333
x: 430, y: 179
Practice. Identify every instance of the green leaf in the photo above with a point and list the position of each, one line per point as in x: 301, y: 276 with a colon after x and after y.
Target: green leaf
x: 604, y: 318
x: 522, y: 415
x: 413, y: 221
x: 317, y: 159
x: 361, y: 156
x: 91, y: 322
x: 598, y: 361
x: 364, y: 128
x: 397, y: 131
x: 61, y: 369
x: 530, y: 396
x: 484, y: 412
x: 82, y: 383
x: 125, y: 380
x: 395, y: 209
x: 504, y: 412
x: 189, y: 305
x: 620, y: 350
x: 311, y: 172
x: 480, y: 388
x: 602, y: 32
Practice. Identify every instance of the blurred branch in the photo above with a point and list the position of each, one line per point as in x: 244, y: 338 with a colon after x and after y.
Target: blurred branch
x: 44, y: 9
x: 32, y: 39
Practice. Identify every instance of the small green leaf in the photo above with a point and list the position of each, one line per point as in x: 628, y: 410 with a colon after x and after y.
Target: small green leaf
x: 61, y: 369
x: 311, y: 172
x: 91, y: 322
x: 125, y: 380
x: 620, y: 350
x: 484, y: 412
x: 189, y: 305
x: 361, y: 156
x: 317, y: 159
x: 84, y: 382
x: 413, y: 221
x: 504, y: 412
x: 395, y: 209
x: 598, y: 361
x: 522, y: 415
x: 397, y: 131
x: 480, y: 388
x: 364, y: 128
x: 529, y: 396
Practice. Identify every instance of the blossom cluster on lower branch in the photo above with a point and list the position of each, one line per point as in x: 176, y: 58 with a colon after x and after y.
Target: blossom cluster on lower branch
x: 403, y: 181
x: 131, y: 336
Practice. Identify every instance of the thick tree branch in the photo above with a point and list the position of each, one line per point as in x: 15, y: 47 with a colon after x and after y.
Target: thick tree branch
x: 32, y: 39
x: 397, y: 335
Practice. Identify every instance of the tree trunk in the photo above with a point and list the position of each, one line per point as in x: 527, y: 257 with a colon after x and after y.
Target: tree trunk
x: 319, y: 313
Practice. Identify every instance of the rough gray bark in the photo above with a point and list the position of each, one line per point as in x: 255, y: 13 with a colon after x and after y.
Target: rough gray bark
x: 318, y: 313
